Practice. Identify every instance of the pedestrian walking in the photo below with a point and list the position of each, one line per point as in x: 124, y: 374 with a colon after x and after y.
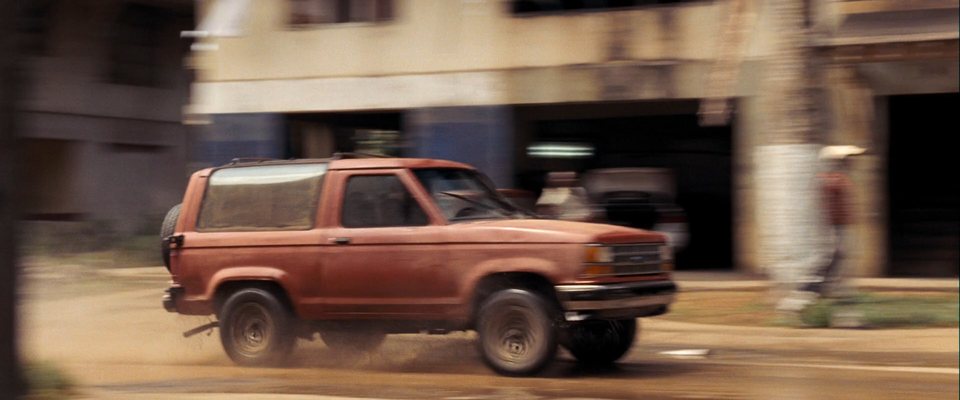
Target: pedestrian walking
x: 836, y: 201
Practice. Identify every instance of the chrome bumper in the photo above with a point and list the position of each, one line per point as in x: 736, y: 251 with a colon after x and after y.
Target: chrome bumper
x: 624, y: 300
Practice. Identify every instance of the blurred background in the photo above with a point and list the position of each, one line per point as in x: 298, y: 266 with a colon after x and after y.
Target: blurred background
x: 115, y: 102
x: 121, y: 100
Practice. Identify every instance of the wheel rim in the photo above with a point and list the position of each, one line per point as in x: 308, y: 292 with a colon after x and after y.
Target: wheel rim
x: 513, y: 335
x: 252, y: 330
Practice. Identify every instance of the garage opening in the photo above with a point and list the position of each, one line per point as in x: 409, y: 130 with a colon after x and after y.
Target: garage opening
x: 319, y: 135
x: 663, y: 136
x: 924, y: 206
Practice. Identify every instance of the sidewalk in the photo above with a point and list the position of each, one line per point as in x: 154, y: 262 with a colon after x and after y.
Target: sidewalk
x: 689, y: 281
x: 699, y: 281
x: 910, y: 340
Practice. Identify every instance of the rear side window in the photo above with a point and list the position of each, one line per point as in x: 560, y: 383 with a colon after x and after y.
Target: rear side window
x: 376, y: 201
x: 266, y: 197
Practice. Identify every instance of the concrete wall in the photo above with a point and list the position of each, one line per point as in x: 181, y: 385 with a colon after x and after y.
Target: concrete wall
x: 232, y: 136
x: 103, y: 150
x: 430, y: 36
x: 459, y: 53
x: 479, y: 136
x: 463, y: 63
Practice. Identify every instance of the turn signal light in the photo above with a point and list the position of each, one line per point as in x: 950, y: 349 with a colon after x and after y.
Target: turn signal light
x: 598, y: 254
x: 597, y: 270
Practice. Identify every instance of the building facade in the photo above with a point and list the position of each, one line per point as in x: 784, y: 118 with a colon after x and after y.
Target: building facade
x: 601, y: 83
x: 103, y: 97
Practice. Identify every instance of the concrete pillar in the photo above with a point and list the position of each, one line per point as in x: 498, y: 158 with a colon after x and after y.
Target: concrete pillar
x: 856, y: 118
x: 788, y: 212
x: 747, y: 131
x: 479, y: 136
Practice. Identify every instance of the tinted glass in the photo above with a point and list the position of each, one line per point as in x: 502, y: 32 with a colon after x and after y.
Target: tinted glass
x: 464, y: 195
x: 268, y: 197
x: 373, y: 201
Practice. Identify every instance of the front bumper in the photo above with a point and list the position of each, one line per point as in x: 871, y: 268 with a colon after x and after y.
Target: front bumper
x: 622, y: 300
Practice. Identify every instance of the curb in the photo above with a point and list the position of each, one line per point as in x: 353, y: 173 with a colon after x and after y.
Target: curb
x: 874, y: 284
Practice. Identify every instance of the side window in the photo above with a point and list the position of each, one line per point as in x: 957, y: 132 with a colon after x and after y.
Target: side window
x: 257, y: 198
x: 373, y: 201
x: 306, y: 12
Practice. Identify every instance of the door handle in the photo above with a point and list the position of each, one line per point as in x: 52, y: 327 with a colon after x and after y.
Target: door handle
x: 340, y: 240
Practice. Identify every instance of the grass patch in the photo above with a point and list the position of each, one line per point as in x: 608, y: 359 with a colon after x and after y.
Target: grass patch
x: 47, y: 382
x: 93, y: 243
x: 753, y: 308
x: 131, y: 251
x: 878, y: 309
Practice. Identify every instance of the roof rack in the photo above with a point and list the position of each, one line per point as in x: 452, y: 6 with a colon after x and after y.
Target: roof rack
x: 241, y: 160
x: 352, y: 155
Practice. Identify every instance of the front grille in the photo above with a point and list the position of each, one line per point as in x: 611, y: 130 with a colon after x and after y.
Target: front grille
x: 636, y: 259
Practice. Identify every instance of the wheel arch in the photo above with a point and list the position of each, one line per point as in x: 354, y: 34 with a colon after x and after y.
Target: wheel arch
x: 228, y: 287
x: 489, y: 284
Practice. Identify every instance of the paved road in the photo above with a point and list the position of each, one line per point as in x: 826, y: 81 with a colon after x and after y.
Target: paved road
x: 110, y: 333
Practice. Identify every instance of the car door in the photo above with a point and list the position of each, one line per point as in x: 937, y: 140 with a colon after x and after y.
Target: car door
x: 384, y: 252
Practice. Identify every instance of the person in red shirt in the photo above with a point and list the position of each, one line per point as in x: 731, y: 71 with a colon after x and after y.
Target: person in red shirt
x: 836, y: 199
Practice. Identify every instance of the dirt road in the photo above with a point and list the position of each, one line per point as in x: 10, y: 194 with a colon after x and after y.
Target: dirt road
x: 108, y: 330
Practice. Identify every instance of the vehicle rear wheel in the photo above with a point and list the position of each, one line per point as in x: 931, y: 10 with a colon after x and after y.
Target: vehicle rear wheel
x: 516, y: 333
x: 256, y: 329
x: 601, y: 342
x: 166, y: 229
x: 352, y: 340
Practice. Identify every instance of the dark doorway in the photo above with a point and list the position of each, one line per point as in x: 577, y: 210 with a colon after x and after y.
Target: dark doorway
x: 924, y: 206
x: 52, y: 190
x: 320, y: 135
x: 647, y: 135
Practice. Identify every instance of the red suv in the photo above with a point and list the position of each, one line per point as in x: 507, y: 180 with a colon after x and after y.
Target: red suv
x: 355, y: 248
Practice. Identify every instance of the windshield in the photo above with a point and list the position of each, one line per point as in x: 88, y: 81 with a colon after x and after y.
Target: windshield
x: 465, y: 195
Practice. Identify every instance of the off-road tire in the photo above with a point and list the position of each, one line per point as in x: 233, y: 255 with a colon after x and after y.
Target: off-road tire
x: 256, y: 329
x: 516, y: 334
x: 166, y: 229
x: 600, y: 342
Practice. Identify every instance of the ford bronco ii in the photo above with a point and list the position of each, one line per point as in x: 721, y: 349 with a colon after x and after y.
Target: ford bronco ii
x: 353, y: 248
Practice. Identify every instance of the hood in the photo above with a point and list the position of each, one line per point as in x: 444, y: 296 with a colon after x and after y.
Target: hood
x: 550, y: 231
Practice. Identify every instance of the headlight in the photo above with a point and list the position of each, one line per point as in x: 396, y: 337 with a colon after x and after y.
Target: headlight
x: 596, y: 254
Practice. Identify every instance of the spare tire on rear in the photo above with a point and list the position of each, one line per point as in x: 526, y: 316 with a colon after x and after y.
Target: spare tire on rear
x: 166, y: 229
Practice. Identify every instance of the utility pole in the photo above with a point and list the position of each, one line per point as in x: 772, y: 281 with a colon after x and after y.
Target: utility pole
x: 786, y: 158
x: 10, y: 378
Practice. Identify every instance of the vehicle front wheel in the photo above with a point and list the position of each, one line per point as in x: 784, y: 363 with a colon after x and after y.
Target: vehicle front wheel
x: 515, y: 332
x: 256, y: 329
x: 601, y: 342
